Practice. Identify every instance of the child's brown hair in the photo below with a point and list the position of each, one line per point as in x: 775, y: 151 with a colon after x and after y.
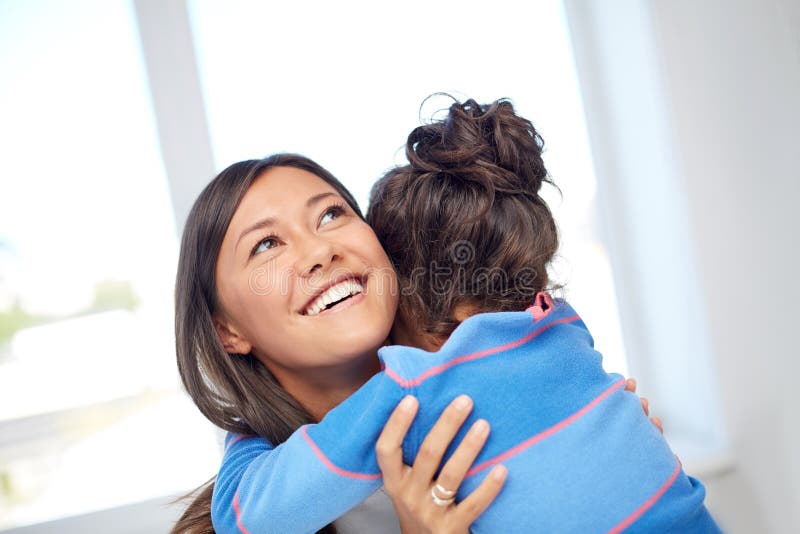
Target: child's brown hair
x: 463, y: 222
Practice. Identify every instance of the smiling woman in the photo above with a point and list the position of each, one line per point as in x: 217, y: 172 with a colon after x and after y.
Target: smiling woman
x: 249, y: 277
x: 309, y: 248
x: 242, y: 289
x: 262, y: 360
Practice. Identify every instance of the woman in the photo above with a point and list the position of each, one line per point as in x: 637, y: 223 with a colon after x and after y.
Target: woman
x: 252, y: 354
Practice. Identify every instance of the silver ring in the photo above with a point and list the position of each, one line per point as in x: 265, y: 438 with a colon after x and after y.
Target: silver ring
x: 446, y: 493
x: 441, y: 502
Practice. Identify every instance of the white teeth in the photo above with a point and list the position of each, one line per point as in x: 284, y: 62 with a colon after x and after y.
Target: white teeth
x: 342, y: 291
x: 334, y: 294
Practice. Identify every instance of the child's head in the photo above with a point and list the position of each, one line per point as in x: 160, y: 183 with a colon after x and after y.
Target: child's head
x: 463, y: 222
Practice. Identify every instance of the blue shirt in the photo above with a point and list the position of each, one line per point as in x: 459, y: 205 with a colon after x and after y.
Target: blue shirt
x: 581, y: 454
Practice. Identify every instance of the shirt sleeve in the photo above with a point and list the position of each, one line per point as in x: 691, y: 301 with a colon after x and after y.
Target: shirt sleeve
x: 318, y: 474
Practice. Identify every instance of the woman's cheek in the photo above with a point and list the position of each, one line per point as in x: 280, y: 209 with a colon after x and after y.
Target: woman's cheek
x: 268, y: 278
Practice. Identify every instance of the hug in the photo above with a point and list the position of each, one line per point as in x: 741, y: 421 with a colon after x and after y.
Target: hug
x: 414, y: 369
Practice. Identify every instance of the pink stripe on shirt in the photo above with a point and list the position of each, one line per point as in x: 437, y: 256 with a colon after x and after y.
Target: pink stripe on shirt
x: 330, y: 465
x: 628, y: 521
x: 547, y: 432
x: 238, y: 512
x: 439, y: 369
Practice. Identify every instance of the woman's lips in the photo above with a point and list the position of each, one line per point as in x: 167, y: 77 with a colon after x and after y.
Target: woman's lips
x: 342, y: 305
x: 346, y: 302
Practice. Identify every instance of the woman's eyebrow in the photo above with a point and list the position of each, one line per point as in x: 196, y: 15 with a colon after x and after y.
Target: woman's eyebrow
x: 316, y: 198
x: 258, y: 225
x: 269, y: 221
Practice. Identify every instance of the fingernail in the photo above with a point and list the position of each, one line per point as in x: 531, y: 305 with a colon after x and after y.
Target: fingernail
x: 462, y: 402
x: 499, y: 472
x: 480, y: 428
x: 408, y: 403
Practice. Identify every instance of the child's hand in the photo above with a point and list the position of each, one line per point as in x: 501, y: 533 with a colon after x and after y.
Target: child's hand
x: 630, y: 385
x: 425, y: 505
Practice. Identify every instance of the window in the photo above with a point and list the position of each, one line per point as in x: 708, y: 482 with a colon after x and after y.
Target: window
x: 90, y: 412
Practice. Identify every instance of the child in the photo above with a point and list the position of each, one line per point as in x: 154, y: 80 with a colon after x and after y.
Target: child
x: 470, y: 238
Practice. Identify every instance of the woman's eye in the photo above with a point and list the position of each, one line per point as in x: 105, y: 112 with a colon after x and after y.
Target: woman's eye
x: 330, y: 214
x: 265, y: 244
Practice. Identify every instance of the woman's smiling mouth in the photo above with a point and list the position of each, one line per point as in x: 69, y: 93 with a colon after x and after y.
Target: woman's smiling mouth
x: 338, y: 295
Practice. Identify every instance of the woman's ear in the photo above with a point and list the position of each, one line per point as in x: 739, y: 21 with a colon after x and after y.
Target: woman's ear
x: 233, y: 342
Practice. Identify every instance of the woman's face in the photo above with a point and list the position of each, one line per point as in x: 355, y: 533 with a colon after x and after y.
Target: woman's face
x: 302, y: 281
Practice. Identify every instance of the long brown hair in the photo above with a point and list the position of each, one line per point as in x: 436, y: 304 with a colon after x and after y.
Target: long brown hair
x: 235, y: 392
x: 463, y: 222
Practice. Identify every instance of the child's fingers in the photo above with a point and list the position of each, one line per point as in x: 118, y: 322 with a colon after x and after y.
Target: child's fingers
x: 438, y: 439
x: 388, y: 448
x: 479, y: 500
x: 459, y: 463
x: 630, y: 385
x: 656, y: 421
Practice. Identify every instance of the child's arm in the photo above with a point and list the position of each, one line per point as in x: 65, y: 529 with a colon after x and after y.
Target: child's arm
x: 318, y: 474
x: 281, y: 489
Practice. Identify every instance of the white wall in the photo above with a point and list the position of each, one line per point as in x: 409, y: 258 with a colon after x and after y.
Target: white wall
x: 733, y: 73
x: 725, y: 93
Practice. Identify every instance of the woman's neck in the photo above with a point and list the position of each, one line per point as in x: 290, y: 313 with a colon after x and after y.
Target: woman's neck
x: 321, y: 390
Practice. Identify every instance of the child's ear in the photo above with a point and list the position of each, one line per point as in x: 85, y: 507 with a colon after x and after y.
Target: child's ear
x: 233, y: 342
x: 433, y: 342
x: 464, y: 311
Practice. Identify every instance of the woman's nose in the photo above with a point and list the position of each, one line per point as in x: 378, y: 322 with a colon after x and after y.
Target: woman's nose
x: 316, y: 255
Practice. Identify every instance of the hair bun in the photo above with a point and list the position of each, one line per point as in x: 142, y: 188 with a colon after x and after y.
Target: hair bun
x: 489, y: 144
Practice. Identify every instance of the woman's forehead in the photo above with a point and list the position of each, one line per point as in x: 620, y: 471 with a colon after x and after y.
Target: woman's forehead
x: 277, y: 190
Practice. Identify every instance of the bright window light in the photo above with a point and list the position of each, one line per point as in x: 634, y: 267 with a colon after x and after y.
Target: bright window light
x: 90, y: 411
x: 342, y: 83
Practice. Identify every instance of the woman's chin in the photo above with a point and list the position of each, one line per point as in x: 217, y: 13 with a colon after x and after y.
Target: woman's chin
x: 355, y: 341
